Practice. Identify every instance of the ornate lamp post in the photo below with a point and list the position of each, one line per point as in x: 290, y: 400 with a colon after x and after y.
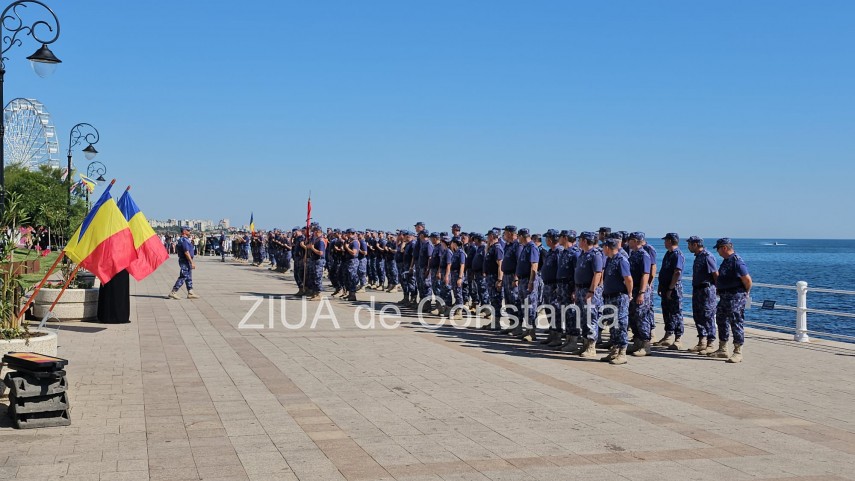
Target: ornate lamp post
x: 81, y: 132
x: 44, y: 62
x: 93, y: 169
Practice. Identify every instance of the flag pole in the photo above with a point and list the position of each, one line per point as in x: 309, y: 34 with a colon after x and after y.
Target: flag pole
x: 40, y: 284
x: 306, y: 253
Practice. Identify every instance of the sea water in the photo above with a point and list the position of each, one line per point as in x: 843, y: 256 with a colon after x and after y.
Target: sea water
x: 821, y: 263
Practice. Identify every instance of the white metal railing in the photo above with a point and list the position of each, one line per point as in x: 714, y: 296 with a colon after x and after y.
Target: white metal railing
x: 801, y: 309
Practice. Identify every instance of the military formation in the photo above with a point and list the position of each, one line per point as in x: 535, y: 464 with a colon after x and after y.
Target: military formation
x: 589, y: 286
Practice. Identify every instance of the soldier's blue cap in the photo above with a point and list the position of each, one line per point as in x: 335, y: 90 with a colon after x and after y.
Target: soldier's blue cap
x: 419, y: 224
x: 477, y: 237
x: 467, y: 234
x: 443, y: 234
x: 672, y: 236
x: 185, y: 227
x: 611, y: 242
x: 551, y: 234
x: 494, y: 231
x: 434, y: 235
x: 624, y: 234
x: 456, y: 240
x: 523, y: 231
x: 588, y: 235
x: 568, y: 233
x: 637, y: 236
x: 724, y: 241
x: 695, y: 239
x: 424, y: 233
x: 511, y: 228
x: 349, y: 231
x: 605, y: 230
x: 615, y: 235
x: 445, y: 239
x: 455, y: 226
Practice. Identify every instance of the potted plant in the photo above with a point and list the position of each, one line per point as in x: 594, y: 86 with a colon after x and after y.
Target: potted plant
x: 15, y: 335
x: 79, y: 302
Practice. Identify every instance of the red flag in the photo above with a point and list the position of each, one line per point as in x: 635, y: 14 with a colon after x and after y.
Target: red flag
x: 309, y: 215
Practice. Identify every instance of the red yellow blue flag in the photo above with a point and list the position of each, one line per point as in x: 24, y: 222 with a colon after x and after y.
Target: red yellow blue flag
x: 150, y: 250
x: 103, y: 244
x: 251, y: 223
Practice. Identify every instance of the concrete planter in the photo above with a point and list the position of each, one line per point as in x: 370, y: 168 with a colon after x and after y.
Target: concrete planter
x: 74, y: 305
x: 43, y: 344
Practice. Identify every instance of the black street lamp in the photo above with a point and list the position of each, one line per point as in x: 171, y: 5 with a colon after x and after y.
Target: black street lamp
x: 81, y: 132
x: 44, y: 62
x: 93, y: 169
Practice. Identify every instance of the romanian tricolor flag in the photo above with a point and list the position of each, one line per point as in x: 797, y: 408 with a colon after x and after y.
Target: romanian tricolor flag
x: 251, y: 223
x: 88, y: 183
x: 103, y: 244
x: 150, y: 251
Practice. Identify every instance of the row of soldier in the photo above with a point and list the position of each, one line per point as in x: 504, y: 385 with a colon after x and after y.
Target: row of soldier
x: 581, y: 283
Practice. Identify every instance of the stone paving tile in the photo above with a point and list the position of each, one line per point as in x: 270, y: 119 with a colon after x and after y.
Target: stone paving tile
x: 182, y: 393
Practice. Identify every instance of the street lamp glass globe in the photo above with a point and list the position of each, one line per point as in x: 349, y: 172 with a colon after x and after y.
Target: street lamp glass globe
x: 90, y: 152
x: 44, y: 62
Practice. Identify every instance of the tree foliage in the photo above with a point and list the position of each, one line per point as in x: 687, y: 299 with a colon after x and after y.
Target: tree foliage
x: 43, y: 197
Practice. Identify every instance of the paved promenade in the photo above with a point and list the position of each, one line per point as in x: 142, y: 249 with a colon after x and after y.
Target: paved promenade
x: 181, y: 393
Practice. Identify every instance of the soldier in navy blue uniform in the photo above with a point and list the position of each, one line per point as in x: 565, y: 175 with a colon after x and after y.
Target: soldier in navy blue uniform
x: 549, y: 273
x: 425, y: 247
x: 671, y: 292
x: 300, y: 260
x: 529, y: 284
x: 363, y: 260
x: 704, y: 275
x: 186, y: 253
x: 370, y: 259
x: 393, y: 244
x: 651, y: 252
x: 617, y: 284
x: 380, y: 260
x: 466, y: 288
x: 493, y: 277
x: 317, y: 256
x: 351, y: 260
x: 588, y: 278
x: 475, y: 271
x: 458, y: 275
x: 567, y: 259
x: 409, y: 279
x: 734, y: 291
x: 639, y: 303
x: 509, y: 288
x: 442, y: 272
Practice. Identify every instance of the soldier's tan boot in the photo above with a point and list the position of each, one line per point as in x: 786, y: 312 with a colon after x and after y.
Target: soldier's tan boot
x: 173, y: 295
x: 642, y: 351
x: 666, y: 341
x: 620, y: 358
x: 676, y: 346
x: 709, y: 349
x: 721, y: 352
x: 458, y: 314
x: 737, y: 354
x: 192, y: 295
x: 590, y: 349
x: 613, y: 351
x: 702, y: 344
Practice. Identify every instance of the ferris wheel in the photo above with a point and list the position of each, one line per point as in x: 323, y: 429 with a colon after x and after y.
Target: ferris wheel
x: 30, y: 138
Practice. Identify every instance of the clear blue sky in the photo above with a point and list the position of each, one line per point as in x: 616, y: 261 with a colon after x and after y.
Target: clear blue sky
x: 712, y: 118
